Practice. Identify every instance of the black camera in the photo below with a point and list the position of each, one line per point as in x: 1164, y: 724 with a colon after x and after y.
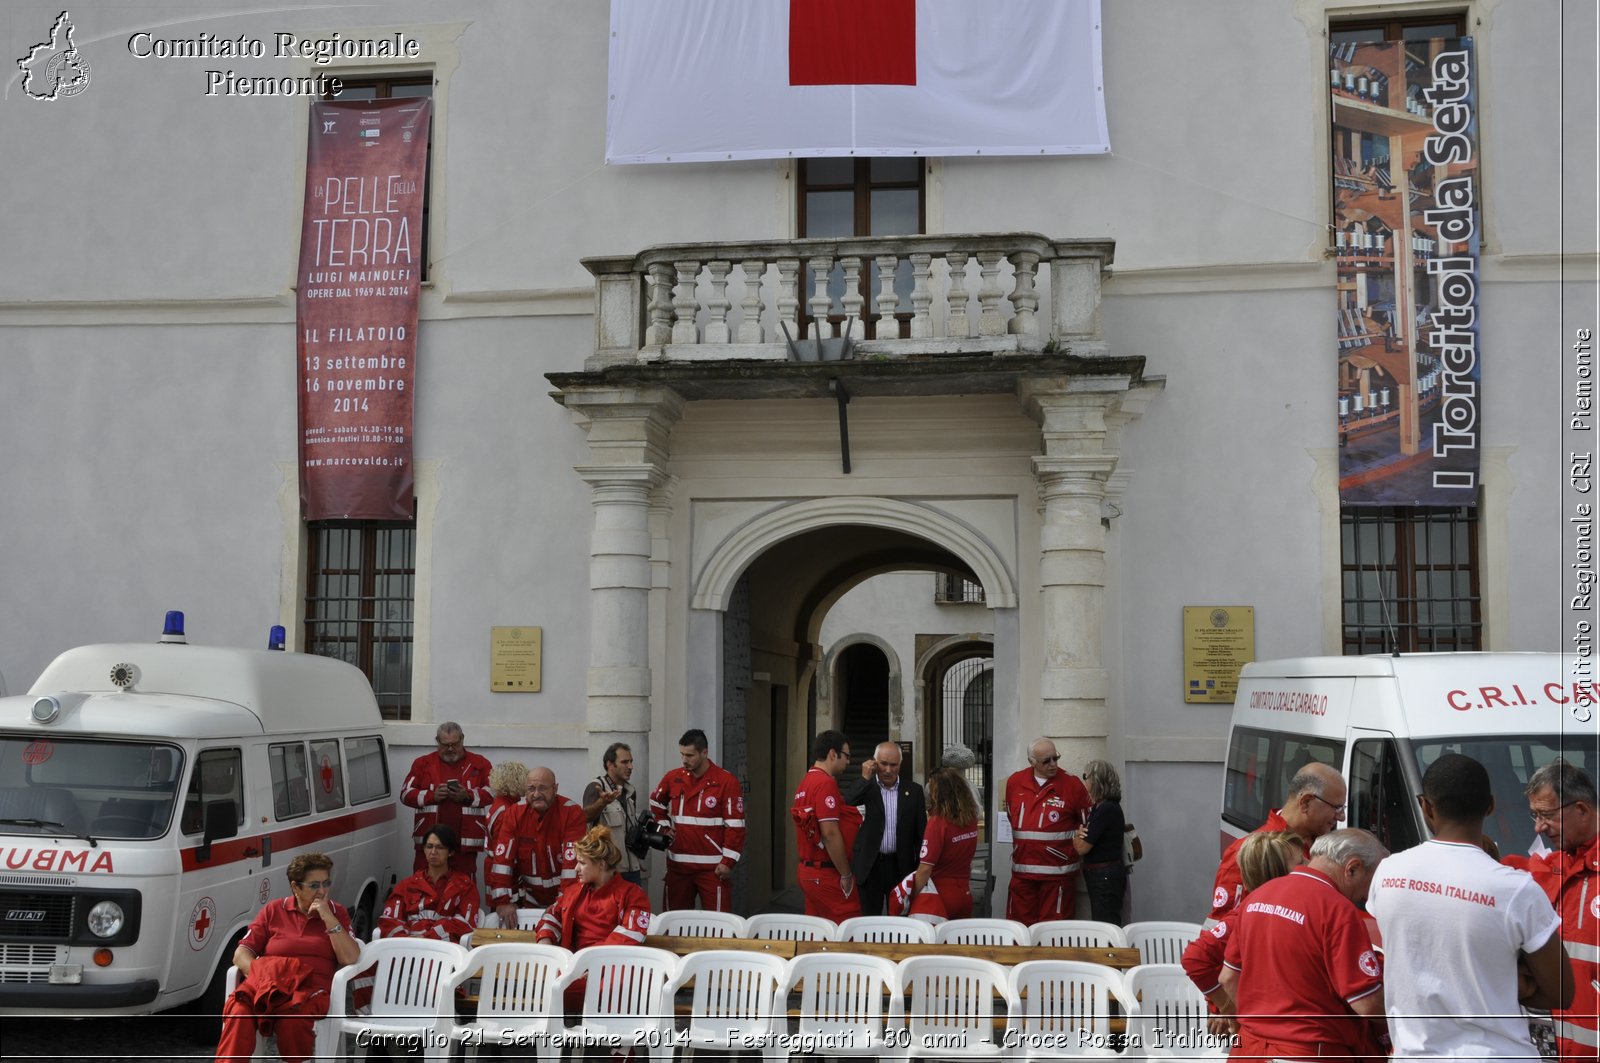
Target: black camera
x: 645, y: 834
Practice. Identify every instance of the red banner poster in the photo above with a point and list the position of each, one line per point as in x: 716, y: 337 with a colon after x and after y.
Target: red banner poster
x: 360, y: 273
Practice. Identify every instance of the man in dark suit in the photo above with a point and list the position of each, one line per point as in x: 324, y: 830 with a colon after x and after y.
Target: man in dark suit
x: 890, y: 840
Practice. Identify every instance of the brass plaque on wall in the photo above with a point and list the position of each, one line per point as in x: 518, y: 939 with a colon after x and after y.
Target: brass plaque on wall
x: 515, y: 654
x: 1218, y: 640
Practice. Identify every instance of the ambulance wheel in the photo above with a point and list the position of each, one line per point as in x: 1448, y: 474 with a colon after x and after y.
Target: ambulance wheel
x: 361, y: 922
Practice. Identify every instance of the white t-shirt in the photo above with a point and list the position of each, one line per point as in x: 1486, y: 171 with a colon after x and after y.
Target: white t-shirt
x: 1453, y: 920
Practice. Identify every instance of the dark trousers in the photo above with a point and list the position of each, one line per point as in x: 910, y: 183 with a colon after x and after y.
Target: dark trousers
x: 879, y: 883
x: 1105, y: 887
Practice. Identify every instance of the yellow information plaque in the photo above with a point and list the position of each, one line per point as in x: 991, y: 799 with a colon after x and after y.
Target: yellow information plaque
x: 514, y: 659
x: 1218, y: 640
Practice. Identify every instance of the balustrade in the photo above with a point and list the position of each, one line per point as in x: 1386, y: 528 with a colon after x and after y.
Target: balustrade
x: 900, y: 295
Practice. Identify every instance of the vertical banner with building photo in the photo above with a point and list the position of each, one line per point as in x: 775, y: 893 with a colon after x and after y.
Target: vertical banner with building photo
x: 1406, y: 219
x: 360, y: 274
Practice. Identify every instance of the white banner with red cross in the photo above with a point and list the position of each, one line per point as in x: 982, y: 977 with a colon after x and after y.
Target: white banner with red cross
x: 710, y: 80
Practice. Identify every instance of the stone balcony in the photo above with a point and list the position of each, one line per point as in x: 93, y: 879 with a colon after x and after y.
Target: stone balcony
x: 979, y: 295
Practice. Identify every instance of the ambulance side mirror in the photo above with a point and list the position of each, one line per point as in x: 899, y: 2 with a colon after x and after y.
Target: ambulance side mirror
x: 221, y: 821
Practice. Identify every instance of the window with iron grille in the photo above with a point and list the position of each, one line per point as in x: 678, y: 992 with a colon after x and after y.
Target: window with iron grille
x: 1410, y: 577
x: 360, y: 593
x: 949, y: 590
x: 393, y: 87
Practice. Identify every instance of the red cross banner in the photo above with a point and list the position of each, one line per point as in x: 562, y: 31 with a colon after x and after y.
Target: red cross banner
x: 712, y: 80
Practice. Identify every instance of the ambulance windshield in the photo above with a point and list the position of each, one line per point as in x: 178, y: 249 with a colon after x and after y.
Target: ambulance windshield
x: 95, y: 788
x: 1512, y: 760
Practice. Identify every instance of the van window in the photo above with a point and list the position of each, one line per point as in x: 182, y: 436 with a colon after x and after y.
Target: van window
x: 217, y: 777
x: 329, y: 774
x: 291, y: 794
x: 1511, y: 761
x: 96, y: 787
x: 1381, y: 800
x: 1260, y: 765
x: 369, y: 768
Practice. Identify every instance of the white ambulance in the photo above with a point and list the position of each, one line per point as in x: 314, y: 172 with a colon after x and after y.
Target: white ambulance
x: 1382, y: 720
x: 151, y: 796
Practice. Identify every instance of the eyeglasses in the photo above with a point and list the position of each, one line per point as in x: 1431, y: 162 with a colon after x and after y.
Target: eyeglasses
x: 1050, y: 759
x: 1548, y: 815
x: 323, y: 884
x: 1337, y: 808
x: 436, y: 848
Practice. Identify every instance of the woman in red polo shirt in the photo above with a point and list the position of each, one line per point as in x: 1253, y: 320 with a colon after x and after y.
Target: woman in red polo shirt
x: 294, y: 947
x: 948, y: 845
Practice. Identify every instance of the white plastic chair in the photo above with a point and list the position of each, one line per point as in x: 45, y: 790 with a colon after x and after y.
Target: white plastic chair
x: 1065, y: 1010
x: 1167, y: 1014
x: 528, y: 918
x: 409, y: 993
x: 517, y: 1001
x: 781, y: 926
x: 847, y: 1002
x: 624, y: 998
x: 267, y: 1044
x: 886, y: 929
x: 981, y: 932
x: 951, y: 1012
x: 694, y: 923
x: 1078, y: 934
x: 1161, y: 942
x: 733, y: 1001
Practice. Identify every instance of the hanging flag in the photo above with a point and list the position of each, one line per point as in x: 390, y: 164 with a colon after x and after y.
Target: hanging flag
x: 360, y: 273
x: 710, y: 80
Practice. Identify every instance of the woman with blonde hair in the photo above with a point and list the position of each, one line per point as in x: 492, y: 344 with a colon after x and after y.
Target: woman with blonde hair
x: 1264, y: 856
x: 600, y: 908
x: 508, y: 781
x: 1099, y: 843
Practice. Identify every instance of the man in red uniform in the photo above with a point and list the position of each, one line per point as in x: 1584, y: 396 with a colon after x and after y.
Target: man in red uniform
x: 825, y: 832
x: 702, y: 807
x: 450, y: 786
x: 1300, y: 963
x: 1561, y: 798
x: 1314, y: 807
x: 534, y: 848
x: 1045, y: 806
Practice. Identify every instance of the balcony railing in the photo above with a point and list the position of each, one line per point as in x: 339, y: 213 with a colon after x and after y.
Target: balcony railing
x: 993, y: 293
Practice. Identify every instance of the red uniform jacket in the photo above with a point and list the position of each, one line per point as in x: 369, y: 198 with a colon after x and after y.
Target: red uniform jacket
x: 617, y: 913
x: 428, y: 773
x: 417, y: 907
x: 1043, y: 820
x: 532, y: 854
x: 706, y: 815
x: 1572, y: 882
x: 277, y: 984
x: 1228, y: 890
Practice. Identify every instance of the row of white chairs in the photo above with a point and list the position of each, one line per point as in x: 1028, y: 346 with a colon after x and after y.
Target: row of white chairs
x: 1157, y: 941
x: 849, y: 1005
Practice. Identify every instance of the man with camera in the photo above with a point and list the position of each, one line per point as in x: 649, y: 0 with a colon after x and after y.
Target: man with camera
x: 700, y: 807
x: 611, y: 799
x: 450, y: 786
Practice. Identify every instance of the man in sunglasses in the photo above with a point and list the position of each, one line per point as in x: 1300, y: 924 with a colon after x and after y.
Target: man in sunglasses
x: 1314, y: 807
x: 1045, y: 806
x: 1561, y: 799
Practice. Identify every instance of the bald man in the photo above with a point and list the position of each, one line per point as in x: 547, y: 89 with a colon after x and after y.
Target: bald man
x: 534, y: 848
x: 895, y: 815
x: 1314, y: 807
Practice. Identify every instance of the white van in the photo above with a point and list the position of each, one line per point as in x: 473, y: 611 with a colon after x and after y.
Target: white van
x: 1383, y: 720
x: 150, y: 798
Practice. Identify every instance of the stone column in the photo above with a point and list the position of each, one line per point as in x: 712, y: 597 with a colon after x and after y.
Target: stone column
x: 627, y: 429
x: 1071, y: 475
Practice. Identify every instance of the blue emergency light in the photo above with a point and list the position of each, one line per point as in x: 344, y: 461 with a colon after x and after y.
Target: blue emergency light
x: 173, y: 632
x: 277, y: 638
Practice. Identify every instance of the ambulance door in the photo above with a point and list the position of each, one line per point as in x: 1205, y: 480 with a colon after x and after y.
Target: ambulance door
x: 1383, y: 790
x: 216, y: 889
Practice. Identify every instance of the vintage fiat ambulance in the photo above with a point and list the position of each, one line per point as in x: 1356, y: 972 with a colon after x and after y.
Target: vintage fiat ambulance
x: 150, y: 798
x: 1382, y: 720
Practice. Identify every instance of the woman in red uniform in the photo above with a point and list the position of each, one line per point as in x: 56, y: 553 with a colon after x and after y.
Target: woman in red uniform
x: 289, y: 954
x: 948, y: 844
x: 436, y: 902
x: 600, y: 908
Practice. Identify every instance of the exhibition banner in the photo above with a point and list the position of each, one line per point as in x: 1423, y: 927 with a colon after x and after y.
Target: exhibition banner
x: 359, y: 278
x: 711, y: 80
x: 1406, y: 241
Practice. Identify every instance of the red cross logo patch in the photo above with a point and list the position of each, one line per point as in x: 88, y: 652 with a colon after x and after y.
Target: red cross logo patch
x: 201, y: 919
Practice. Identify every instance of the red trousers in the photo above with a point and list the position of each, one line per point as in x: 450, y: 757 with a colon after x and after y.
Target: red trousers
x: 684, y: 886
x: 824, y: 897
x: 295, y: 1030
x: 956, y: 896
x: 1036, y: 900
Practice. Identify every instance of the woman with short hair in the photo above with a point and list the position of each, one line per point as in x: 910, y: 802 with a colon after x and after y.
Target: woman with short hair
x: 437, y: 902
